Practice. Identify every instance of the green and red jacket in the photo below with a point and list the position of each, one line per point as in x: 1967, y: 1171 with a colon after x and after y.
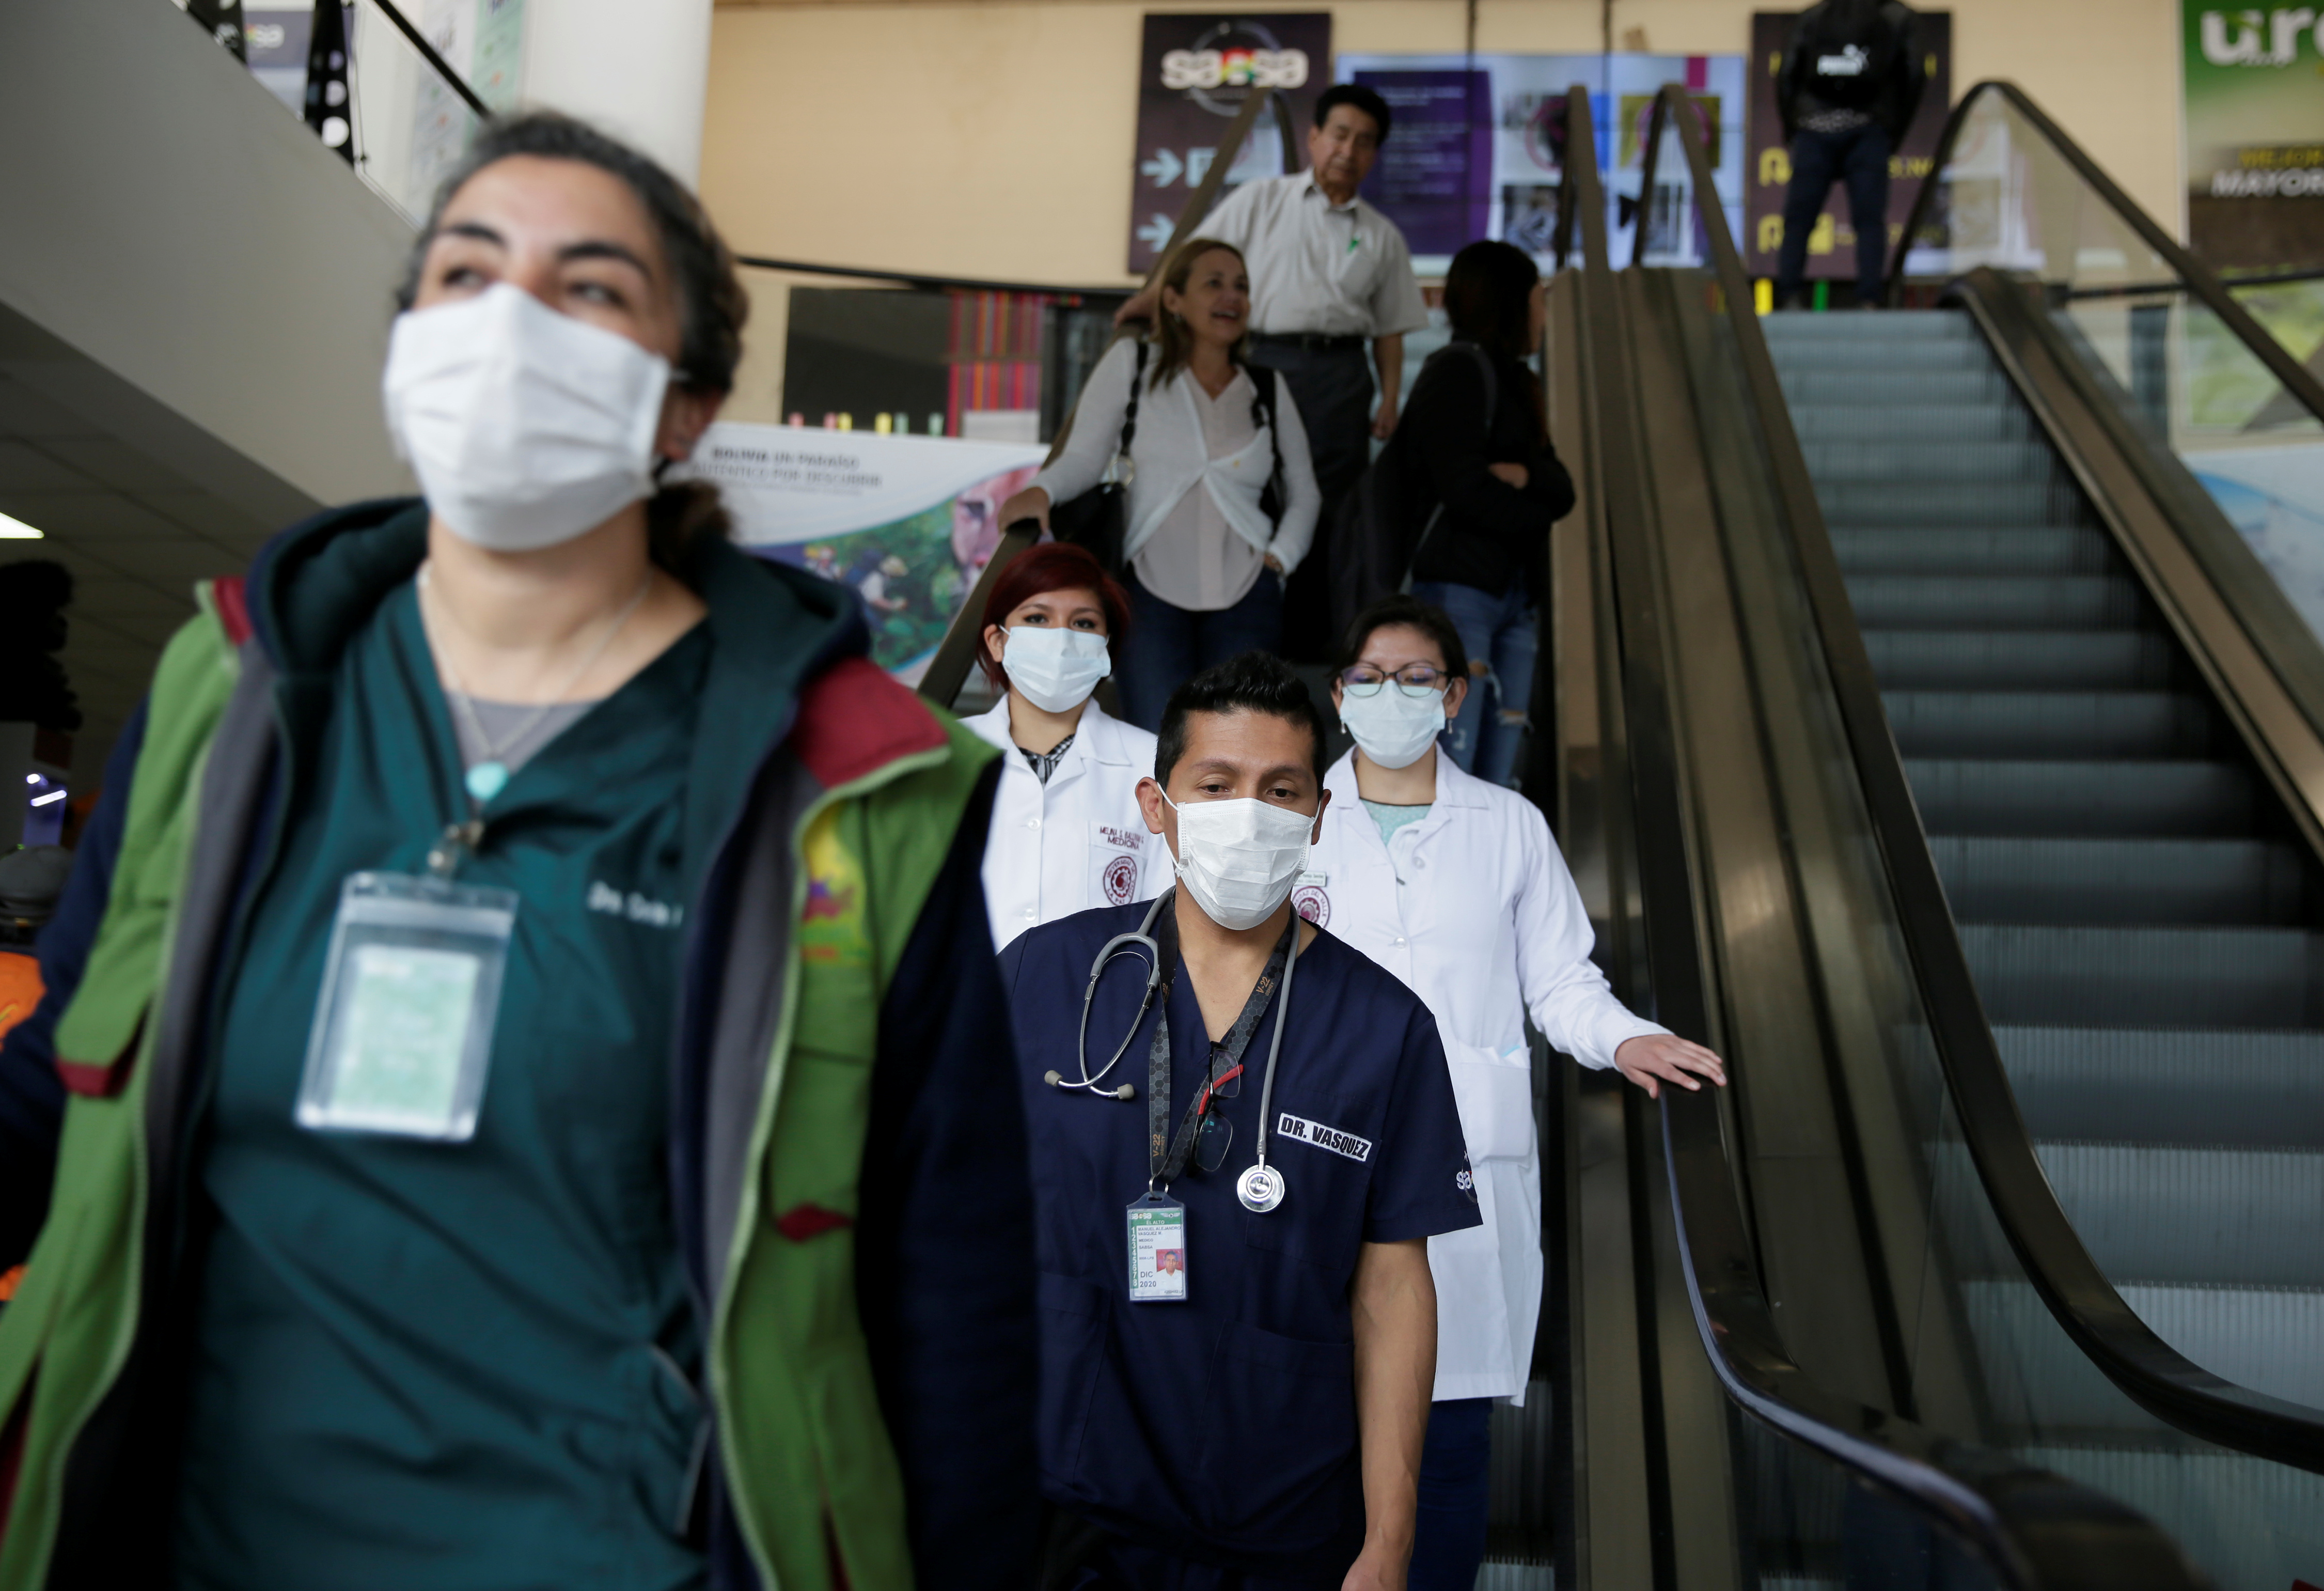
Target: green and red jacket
x: 842, y: 1085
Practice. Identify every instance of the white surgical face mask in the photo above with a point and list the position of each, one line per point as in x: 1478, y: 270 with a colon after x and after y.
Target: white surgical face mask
x: 1239, y: 858
x: 1054, y: 668
x: 1395, y: 730
x: 525, y: 426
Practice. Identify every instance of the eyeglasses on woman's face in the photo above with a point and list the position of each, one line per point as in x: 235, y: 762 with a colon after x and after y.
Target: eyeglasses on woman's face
x: 1364, y: 679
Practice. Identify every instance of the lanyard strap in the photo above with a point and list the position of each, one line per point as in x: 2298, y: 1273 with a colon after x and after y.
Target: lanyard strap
x: 1162, y: 1168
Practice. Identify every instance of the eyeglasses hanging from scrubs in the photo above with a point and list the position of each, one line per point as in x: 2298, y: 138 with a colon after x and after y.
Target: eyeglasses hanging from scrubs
x: 525, y: 426
x: 1055, y: 669
x: 1394, y: 722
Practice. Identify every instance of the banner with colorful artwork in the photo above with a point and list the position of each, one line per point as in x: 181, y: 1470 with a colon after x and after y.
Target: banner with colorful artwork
x: 1479, y: 149
x: 906, y: 523
x: 2255, y: 130
x: 1831, y: 244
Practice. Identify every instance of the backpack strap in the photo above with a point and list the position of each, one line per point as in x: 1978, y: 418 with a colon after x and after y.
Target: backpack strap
x: 1262, y: 413
x: 1129, y: 414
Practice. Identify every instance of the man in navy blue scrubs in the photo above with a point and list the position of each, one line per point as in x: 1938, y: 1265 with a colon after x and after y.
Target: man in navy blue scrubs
x: 1238, y: 1327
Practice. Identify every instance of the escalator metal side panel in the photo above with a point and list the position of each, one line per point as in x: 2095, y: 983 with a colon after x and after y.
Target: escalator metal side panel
x: 1858, y: 974
x: 1604, y: 1536
x: 2131, y: 489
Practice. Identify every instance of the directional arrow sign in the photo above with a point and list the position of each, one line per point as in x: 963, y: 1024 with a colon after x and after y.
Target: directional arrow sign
x: 1164, y: 168
x: 1156, y: 233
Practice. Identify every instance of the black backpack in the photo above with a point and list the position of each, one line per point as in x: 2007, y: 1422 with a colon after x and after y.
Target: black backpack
x: 1374, y: 537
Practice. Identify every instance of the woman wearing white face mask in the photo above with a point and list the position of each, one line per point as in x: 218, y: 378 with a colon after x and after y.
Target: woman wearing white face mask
x: 1066, y: 831
x: 1455, y: 885
x: 518, y: 849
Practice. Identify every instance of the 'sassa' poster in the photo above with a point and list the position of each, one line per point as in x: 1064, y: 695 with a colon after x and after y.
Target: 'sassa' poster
x: 1194, y: 70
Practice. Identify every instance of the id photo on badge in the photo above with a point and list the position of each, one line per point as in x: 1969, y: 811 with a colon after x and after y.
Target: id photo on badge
x: 403, y: 1030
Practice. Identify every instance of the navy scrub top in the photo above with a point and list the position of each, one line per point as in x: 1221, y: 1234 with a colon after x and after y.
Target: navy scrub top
x: 1223, y: 1429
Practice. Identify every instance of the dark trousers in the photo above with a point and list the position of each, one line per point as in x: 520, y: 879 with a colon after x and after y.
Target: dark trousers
x: 1455, y: 1480
x: 1859, y: 158
x: 1333, y: 390
x: 1168, y: 646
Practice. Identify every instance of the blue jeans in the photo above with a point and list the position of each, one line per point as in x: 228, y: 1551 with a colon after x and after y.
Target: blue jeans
x: 1448, y: 1541
x: 1168, y: 646
x: 1859, y: 158
x: 1501, y: 635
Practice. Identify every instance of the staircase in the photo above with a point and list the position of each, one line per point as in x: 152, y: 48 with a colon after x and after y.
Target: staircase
x: 2141, y: 919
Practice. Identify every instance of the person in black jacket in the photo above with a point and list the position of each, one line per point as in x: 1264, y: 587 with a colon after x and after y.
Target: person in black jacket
x: 1850, y: 80
x: 1491, y: 486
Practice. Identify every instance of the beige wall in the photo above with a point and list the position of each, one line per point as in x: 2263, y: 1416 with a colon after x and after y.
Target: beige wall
x: 992, y: 138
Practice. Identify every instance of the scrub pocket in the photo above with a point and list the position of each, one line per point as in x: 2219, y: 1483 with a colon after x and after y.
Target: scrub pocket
x: 1073, y: 1349
x: 1495, y: 1097
x: 1322, y: 1218
x: 1279, y: 1452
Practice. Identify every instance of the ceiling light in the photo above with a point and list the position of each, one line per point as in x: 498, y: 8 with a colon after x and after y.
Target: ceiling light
x: 16, y: 530
x: 54, y: 795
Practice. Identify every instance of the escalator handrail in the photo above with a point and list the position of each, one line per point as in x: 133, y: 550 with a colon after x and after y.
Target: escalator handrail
x: 2035, y: 1530
x: 2194, y: 276
x: 435, y: 63
x: 2077, y: 1293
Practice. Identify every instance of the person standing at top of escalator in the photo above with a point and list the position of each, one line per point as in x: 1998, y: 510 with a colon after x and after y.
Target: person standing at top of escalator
x: 1850, y: 79
x: 1329, y: 273
x: 1487, y: 487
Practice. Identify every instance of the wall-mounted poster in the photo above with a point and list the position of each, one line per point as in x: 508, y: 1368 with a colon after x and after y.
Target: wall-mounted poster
x: 1194, y: 70
x: 906, y: 523
x: 1831, y: 245
x: 2254, y: 135
x: 1479, y: 147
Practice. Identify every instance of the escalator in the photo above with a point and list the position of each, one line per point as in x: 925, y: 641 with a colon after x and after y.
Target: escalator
x: 1982, y: 764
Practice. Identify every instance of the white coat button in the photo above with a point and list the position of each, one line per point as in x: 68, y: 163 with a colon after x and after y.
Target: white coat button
x: 1400, y: 941
x: 1030, y: 914
x: 1032, y: 823
x: 1420, y: 861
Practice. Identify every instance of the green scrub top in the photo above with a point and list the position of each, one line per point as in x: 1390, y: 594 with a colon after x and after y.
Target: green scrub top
x: 456, y: 1365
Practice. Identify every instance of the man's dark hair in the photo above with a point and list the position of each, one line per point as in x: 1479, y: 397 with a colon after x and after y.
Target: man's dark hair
x: 1411, y: 611
x: 1255, y: 682
x: 1364, y: 99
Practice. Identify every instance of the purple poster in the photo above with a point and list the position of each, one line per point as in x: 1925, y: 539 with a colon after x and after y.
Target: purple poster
x: 1434, y: 179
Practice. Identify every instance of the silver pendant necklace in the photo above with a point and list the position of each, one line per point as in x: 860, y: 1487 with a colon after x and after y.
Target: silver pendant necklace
x: 489, y: 775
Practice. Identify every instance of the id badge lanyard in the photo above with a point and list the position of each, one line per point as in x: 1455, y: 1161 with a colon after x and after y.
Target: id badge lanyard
x: 1157, y: 1222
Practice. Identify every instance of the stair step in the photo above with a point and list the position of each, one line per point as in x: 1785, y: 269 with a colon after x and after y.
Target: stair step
x: 1903, y: 462
x: 2021, y: 659
x: 1871, y: 503
x: 1921, y: 420
x: 1880, y: 391
x: 2089, y: 799
x: 2150, y: 1213
x: 1997, y: 602
x: 2169, y: 1086
x: 1921, y: 549
x: 2181, y: 977
x: 2119, y: 880
x: 2151, y: 725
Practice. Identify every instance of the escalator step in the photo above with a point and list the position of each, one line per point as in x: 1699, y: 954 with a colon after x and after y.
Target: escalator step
x: 2044, y: 550
x: 1921, y: 421
x: 1786, y: 330
x: 2021, y: 659
x: 2184, y: 977
x: 2258, y: 1090
x: 1890, y: 354
x: 2141, y: 724
x: 1870, y: 504
x: 1997, y: 602
x: 2248, y: 1522
x: 1902, y: 462
x: 1876, y: 390
x: 2267, y: 1338
x: 2119, y: 880
x: 2149, y: 1213
x: 2091, y: 799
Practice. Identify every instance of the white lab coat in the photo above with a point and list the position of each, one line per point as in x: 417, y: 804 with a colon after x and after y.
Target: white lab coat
x: 1473, y: 908
x: 1076, y: 842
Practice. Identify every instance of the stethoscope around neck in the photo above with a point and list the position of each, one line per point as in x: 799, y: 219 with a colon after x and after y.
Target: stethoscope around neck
x: 1260, y: 1187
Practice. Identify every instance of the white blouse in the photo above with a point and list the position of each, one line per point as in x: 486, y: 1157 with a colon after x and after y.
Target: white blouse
x: 1171, y: 460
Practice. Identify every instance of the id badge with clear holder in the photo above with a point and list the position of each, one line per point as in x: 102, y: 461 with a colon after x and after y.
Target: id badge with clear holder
x: 403, y: 1031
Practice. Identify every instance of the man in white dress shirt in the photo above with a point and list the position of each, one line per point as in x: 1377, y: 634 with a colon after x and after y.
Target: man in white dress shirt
x: 1329, y: 274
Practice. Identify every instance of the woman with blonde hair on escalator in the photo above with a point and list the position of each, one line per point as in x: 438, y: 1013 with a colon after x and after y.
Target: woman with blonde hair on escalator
x: 1207, y: 435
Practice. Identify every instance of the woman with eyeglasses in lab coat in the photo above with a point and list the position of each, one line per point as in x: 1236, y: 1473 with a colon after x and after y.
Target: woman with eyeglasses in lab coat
x: 1455, y: 885
x: 1066, y: 832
